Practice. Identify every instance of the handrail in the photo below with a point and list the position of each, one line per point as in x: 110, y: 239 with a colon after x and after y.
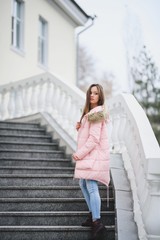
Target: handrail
x: 133, y: 136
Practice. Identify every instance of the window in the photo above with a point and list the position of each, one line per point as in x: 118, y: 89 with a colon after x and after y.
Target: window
x: 42, y: 41
x: 17, y: 24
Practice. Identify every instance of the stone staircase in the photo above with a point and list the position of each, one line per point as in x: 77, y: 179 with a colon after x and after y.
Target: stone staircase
x: 39, y: 199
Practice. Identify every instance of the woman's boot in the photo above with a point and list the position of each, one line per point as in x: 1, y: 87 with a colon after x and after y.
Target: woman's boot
x: 97, y: 228
x: 88, y: 222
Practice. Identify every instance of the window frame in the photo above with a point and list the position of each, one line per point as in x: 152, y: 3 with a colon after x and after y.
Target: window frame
x: 17, y: 25
x: 42, y: 42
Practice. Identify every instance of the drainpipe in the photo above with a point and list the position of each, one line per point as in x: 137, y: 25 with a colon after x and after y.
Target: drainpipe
x: 77, y: 43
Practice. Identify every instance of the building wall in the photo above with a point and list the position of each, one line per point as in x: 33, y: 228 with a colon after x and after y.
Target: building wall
x: 61, y: 43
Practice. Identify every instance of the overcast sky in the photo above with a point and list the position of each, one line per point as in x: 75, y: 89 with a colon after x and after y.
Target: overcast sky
x: 106, y: 38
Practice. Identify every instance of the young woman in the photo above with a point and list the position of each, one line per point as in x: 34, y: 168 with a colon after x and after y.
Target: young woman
x: 92, y: 155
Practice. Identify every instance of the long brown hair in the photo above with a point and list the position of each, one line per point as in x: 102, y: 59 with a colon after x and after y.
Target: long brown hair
x: 87, y: 106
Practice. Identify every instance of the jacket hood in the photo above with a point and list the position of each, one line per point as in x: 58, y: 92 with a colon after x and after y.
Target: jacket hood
x: 97, y: 114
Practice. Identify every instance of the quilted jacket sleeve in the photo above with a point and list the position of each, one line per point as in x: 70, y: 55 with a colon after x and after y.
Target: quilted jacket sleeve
x: 92, y: 141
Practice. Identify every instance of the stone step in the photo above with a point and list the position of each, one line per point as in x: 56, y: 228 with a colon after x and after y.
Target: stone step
x: 37, y: 180
x: 39, y: 198
x: 26, y: 138
x: 50, y: 218
x: 31, y: 153
x: 52, y: 233
x: 35, y: 170
x: 22, y: 131
x: 19, y: 125
x: 43, y: 162
x: 50, y: 204
x: 27, y: 145
x: 47, y: 191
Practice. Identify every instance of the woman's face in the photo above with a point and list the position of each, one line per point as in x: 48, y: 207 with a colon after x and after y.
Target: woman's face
x: 94, y: 96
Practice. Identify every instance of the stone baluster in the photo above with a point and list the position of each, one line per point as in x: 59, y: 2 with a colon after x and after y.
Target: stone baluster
x: 110, y: 129
x: 115, y: 140
x: 33, y: 100
x: 117, y: 147
x: 19, y: 101
x: 142, y: 185
x: 73, y: 119
x: 151, y: 209
x: 79, y: 111
x: 56, y: 101
x: 11, y: 103
x: 61, y: 107
x: 112, y: 132
x: 53, y: 104
x: 77, y: 116
x: 26, y: 99
x: 41, y: 96
x: 136, y: 160
x: 66, y: 111
x: 70, y: 113
x: 127, y: 135
x: 130, y: 139
x: 49, y: 96
x: 121, y: 131
x: 3, y: 104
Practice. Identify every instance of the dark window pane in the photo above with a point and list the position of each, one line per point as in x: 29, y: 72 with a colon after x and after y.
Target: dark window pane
x: 12, y: 37
x: 19, y: 9
x: 18, y: 34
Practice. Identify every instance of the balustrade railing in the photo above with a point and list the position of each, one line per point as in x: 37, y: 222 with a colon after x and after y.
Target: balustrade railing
x: 130, y: 134
x: 133, y: 137
x: 42, y: 93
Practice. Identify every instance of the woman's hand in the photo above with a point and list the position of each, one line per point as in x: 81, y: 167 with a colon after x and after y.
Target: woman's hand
x: 75, y: 157
x: 78, y: 125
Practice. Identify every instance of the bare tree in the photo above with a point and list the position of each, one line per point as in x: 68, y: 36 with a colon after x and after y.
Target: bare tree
x: 88, y: 73
x: 133, y: 40
x: 106, y: 80
x: 86, y: 66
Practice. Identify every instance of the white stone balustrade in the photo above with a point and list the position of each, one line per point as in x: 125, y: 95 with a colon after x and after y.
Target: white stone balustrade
x: 133, y: 137
x: 129, y: 131
x: 42, y: 93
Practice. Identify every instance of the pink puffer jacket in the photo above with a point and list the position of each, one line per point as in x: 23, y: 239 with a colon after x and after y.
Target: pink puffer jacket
x: 93, y: 148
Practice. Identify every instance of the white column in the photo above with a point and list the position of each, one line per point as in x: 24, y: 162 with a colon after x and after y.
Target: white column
x: 11, y: 103
x: 41, y: 96
x: 66, y: 111
x: 57, y: 96
x: 121, y: 131
x: 33, y: 100
x: 3, y: 105
x: 151, y: 210
x: 53, y: 100
x: 110, y: 129
x: 73, y: 119
x: 18, y: 102
x: 127, y: 134
x: 69, y: 112
x: 115, y: 140
x: 49, y: 96
x: 26, y: 99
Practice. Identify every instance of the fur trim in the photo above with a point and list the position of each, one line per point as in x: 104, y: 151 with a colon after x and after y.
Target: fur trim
x: 97, y: 117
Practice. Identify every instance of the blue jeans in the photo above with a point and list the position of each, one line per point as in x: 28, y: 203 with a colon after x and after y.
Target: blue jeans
x: 91, y: 194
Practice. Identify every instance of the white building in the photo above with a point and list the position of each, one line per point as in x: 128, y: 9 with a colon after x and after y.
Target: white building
x: 38, y: 36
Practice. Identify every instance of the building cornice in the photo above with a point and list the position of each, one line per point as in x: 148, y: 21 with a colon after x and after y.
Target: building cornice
x: 73, y: 10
